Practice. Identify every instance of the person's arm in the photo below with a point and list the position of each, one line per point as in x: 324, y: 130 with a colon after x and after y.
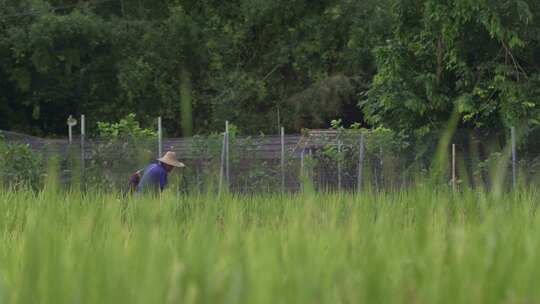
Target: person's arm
x: 135, y: 179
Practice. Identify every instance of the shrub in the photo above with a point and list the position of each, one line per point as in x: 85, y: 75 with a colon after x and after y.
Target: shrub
x: 20, y: 165
x: 122, y: 148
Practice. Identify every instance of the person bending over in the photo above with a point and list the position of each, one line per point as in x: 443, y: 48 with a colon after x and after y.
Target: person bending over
x: 154, y: 176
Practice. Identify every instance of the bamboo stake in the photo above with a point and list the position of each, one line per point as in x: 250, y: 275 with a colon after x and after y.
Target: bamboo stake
x: 454, y: 185
x: 339, y: 164
x: 282, y: 159
x: 160, y: 138
x: 360, y: 163
x: 222, y: 164
x: 227, y: 153
x: 514, y: 157
x: 83, y: 155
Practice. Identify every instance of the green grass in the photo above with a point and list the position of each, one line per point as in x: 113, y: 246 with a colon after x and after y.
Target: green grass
x: 421, y: 246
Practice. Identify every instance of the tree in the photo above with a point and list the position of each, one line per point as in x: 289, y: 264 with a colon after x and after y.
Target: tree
x: 457, y: 54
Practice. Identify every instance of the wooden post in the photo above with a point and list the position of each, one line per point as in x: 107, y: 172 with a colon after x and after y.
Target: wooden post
x: 360, y: 163
x: 454, y: 185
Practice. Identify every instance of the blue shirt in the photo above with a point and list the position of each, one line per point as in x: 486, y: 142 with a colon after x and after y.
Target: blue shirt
x: 154, y: 176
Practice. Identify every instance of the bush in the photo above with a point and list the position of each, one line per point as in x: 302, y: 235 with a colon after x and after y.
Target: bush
x: 20, y: 165
x: 123, y: 147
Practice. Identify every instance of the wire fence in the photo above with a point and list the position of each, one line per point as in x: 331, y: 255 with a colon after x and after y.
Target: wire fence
x: 327, y: 160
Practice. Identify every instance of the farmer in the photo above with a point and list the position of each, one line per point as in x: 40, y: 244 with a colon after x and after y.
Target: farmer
x: 154, y: 177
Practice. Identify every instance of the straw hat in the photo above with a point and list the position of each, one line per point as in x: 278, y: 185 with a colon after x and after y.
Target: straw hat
x: 170, y: 159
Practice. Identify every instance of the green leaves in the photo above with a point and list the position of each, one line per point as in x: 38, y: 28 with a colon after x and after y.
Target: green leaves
x: 23, y: 78
x: 405, y: 63
x: 473, y: 50
x: 20, y: 166
x: 127, y: 128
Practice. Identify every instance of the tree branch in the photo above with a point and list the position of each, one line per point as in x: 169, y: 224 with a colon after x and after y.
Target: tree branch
x: 517, y: 66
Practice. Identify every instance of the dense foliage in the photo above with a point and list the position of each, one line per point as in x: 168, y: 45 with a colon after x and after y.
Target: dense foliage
x: 401, y: 64
x: 20, y: 166
x: 477, y: 58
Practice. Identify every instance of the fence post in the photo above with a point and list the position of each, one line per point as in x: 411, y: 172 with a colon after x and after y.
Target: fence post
x: 83, y: 154
x: 222, y: 164
x: 378, y: 178
x: 514, y: 157
x: 302, y: 160
x: 70, y: 137
x: 282, y: 135
x: 311, y: 168
x: 160, y: 138
x: 454, y: 167
x: 360, y: 163
x: 339, y: 163
x: 227, y: 153
x: 71, y: 122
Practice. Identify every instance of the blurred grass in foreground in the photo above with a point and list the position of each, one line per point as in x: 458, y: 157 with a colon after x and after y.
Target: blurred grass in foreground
x: 421, y: 246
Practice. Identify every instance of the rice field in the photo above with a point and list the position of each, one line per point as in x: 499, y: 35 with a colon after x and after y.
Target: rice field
x: 421, y: 246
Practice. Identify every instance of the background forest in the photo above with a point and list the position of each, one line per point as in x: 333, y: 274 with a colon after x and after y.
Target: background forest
x: 407, y: 65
